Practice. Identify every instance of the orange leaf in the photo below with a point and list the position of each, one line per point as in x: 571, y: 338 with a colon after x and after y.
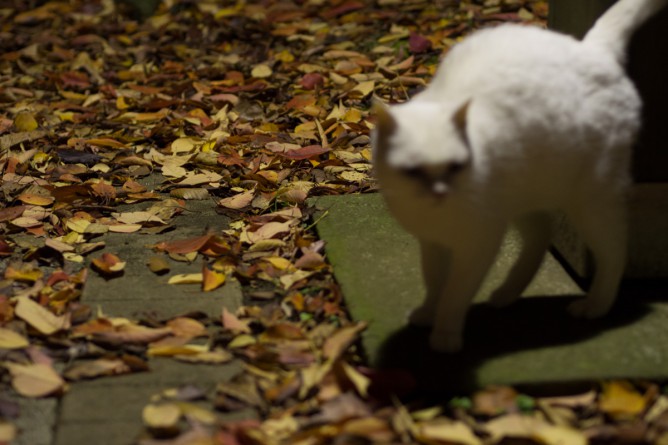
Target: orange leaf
x: 184, y: 246
x: 108, y: 264
x: 211, y: 279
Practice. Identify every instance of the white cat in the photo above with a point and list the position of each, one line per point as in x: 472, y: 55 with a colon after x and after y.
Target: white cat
x: 517, y: 122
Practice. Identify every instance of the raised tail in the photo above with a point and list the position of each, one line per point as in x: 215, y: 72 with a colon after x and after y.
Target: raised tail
x: 614, y: 29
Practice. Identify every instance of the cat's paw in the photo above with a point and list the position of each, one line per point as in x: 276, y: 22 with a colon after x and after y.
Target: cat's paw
x: 502, y: 298
x: 446, y: 341
x: 422, y: 317
x: 588, y: 308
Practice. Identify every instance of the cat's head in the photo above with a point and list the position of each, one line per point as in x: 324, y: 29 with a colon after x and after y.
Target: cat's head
x: 423, y: 142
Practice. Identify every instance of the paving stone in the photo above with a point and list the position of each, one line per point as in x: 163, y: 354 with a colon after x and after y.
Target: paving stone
x: 139, y: 290
x: 531, y: 342
x: 36, y: 422
x: 108, y: 410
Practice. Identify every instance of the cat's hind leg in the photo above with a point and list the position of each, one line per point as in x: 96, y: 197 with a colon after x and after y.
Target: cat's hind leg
x: 434, y: 262
x: 534, y: 231
x: 473, y: 252
x: 603, y: 228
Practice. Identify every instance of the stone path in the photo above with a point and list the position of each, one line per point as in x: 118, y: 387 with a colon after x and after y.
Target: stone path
x: 532, y: 342
x: 107, y: 411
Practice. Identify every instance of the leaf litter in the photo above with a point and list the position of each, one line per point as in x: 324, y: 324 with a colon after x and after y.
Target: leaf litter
x: 255, y: 106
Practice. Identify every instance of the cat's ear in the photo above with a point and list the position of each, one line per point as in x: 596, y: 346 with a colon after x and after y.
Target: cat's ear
x: 460, y: 120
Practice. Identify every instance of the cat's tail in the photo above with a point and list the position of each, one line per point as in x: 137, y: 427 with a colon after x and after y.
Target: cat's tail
x: 613, y: 31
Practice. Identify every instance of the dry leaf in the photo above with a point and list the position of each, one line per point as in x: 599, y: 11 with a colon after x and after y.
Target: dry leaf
x: 446, y: 431
x: 12, y: 340
x: 620, y: 399
x: 158, y: 265
x: 108, y: 264
x: 164, y: 415
x: 190, y: 278
x: 211, y: 279
x: 35, y: 380
x: 187, y: 327
x: 97, y: 368
x: 40, y: 317
x: 238, y: 201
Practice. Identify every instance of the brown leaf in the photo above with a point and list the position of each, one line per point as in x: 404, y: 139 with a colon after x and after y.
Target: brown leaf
x: 184, y: 246
x: 97, y: 368
x: 341, y: 340
x: 232, y: 323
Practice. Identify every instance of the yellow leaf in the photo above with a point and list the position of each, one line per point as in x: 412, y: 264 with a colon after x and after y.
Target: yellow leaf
x: 158, y: 265
x: 620, y: 399
x: 7, y: 432
x: 183, y: 145
x: 241, y: 341
x: 121, y: 104
x: 445, y: 431
x: 34, y: 380
x: 12, y: 340
x: 285, y: 56
x: 261, y: 71
x: 279, y: 263
x: 366, y: 87
x: 172, y: 350
x: 211, y: 279
x: 193, y: 411
x: 77, y: 225
x: 25, y: 121
x: 216, y: 357
x: 359, y: 380
x: 191, y: 278
x: 165, y: 415
x: 40, y: 317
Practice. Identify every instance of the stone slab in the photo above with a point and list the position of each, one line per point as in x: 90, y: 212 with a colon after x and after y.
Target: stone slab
x: 108, y: 410
x: 532, y: 342
x: 140, y: 290
x: 37, y: 421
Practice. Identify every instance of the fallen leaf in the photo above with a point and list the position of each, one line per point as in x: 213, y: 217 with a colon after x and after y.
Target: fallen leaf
x: 447, y: 431
x: 96, y: 368
x: 35, y: 380
x: 158, y: 265
x: 161, y: 416
x: 619, y: 399
x: 12, y: 340
x: 108, y: 264
x: 212, y: 279
x: 238, y: 201
x: 39, y: 317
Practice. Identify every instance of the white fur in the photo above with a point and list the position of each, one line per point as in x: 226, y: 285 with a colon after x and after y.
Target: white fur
x: 549, y: 125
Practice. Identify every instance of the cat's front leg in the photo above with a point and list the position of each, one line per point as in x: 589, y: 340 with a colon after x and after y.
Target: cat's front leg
x: 434, y: 261
x: 473, y: 252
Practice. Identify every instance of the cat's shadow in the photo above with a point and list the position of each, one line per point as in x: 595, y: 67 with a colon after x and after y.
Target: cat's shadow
x: 533, y: 323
